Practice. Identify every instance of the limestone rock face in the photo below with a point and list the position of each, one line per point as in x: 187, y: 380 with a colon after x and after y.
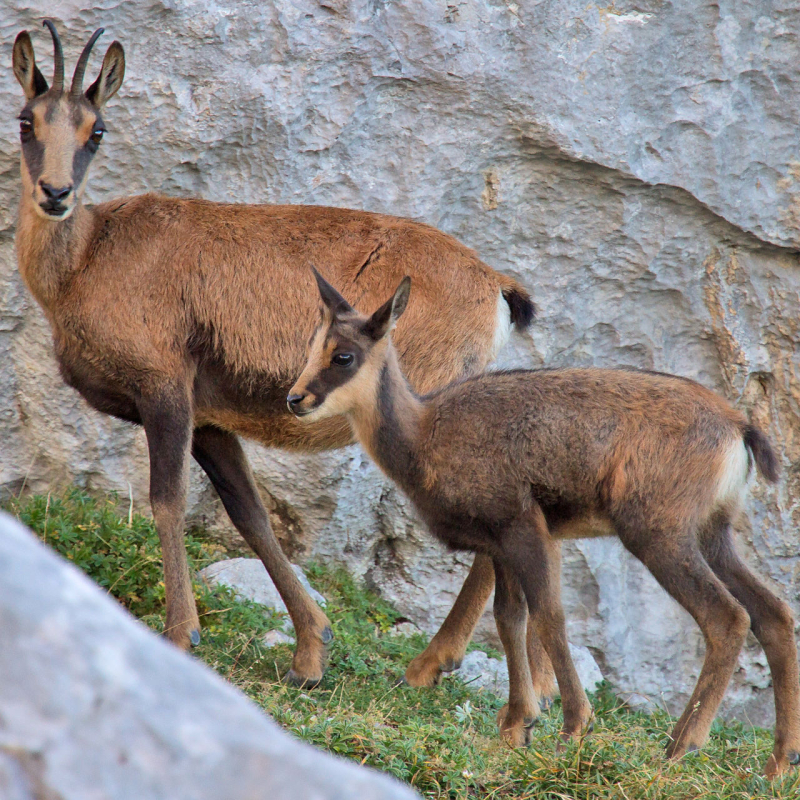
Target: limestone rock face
x: 635, y: 165
x: 95, y: 705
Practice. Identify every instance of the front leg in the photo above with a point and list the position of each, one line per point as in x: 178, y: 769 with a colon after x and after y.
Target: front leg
x: 220, y: 455
x: 167, y: 418
x: 518, y: 716
x: 542, y: 674
x: 447, y: 648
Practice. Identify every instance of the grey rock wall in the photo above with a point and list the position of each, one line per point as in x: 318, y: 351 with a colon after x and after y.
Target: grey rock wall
x: 94, y: 705
x: 635, y: 165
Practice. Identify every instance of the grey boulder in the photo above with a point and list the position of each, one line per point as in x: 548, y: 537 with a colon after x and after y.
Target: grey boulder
x: 93, y: 706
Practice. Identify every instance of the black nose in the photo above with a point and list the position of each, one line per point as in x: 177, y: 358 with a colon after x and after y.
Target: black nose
x: 53, y: 193
x: 293, y: 401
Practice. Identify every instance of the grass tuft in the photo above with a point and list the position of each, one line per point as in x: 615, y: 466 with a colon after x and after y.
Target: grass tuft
x: 442, y: 741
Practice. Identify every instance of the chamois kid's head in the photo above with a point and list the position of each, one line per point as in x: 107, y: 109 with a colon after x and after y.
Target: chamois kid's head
x: 346, y: 355
x: 61, y: 128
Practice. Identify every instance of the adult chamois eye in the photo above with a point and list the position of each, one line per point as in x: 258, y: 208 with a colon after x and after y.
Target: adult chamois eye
x: 343, y: 359
x: 25, y: 127
x: 97, y: 135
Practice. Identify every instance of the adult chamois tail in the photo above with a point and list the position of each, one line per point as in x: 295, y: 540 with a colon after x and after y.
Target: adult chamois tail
x: 763, y: 454
x: 519, y: 303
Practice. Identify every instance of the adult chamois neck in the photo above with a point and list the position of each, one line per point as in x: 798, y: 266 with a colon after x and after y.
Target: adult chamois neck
x: 48, y: 250
x: 388, y: 420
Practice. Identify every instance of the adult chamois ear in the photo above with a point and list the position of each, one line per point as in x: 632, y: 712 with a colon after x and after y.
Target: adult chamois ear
x: 26, y: 72
x: 333, y: 301
x: 384, y: 319
x: 110, y: 78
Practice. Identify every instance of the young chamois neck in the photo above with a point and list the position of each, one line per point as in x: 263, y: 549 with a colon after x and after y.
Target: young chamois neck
x: 48, y: 250
x: 387, y: 419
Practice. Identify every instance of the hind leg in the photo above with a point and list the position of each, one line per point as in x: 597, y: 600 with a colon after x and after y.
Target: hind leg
x: 675, y: 561
x: 772, y: 624
x: 447, y: 648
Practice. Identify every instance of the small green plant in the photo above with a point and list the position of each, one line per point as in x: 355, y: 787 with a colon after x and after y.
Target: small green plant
x: 442, y: 741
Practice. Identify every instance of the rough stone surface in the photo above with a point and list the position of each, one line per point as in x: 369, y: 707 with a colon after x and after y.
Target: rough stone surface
x: 249, y: 580
x: 96, y: 707
x: 273, y: 638
x: 635, y: 164
x: 480, y: 671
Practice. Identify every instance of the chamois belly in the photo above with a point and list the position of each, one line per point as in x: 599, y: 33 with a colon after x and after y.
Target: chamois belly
x: 254, y: 406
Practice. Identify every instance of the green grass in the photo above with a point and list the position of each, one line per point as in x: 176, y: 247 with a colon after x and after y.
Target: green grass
x: 442, y: 741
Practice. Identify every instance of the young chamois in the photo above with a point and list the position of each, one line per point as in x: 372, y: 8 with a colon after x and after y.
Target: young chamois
x: 509, y: 463
x: 191, y: 318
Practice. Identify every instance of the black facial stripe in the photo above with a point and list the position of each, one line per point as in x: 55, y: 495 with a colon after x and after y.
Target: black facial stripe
x: 333, y: 377
x: 80, y: 162
x: 33, y: 153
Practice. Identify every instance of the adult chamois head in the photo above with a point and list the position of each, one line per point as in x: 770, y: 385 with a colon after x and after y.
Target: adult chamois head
x: 61, y: 128
x: 188, y: 317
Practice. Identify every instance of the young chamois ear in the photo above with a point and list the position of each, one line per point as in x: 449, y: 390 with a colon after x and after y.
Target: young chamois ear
x: 332, y: 300
x: 26, y: 72
x: 385, y: 318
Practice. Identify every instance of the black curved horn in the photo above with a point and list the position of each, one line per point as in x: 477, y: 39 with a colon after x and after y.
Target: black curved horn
x: 58, y: 57
x: 80, y: 67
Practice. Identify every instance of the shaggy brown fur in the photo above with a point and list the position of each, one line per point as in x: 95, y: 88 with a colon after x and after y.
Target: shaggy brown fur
x: 191, y: 318
x: 507, y: 464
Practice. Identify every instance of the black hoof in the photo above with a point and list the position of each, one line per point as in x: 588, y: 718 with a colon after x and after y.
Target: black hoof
x: 401, y: 681
x: 794, y: 758
x: 293, y: 679
x: 326, y: 635
x: 451, y: 665
x: 194, y: 638
x: 692, y: 748
x: 530, y: 722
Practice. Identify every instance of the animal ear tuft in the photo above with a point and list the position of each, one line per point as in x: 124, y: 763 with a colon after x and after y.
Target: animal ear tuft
x: 110, y: 78
x: 26, y: 72
x: 384, y: 319
x: 330, y: 297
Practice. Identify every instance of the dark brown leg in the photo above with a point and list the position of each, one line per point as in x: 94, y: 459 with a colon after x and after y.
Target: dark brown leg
x: 542, y: 675
x: 167, y: 423
x: 446, y: 650
x: 678, y: 566
x: 222, y: 458
x: 516, y: 718
x: 773, y: 626
x: 535, y: 557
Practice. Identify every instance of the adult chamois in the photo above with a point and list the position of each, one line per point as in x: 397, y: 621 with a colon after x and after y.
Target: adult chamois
x: 191, y: 318
x: 509, y: 463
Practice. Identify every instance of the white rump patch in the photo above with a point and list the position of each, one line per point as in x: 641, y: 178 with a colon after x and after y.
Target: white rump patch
x: 502, y: 328
x: 733, y: 475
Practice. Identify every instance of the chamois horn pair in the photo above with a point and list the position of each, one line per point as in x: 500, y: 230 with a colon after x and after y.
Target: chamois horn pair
x: 58, y: 61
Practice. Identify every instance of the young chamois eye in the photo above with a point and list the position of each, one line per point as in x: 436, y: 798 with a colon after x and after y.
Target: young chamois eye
x: 25, y: 127
x: 342, y: 359
x: 97, y: 135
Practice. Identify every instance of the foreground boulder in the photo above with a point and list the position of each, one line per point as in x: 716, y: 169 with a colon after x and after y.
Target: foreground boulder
x: 94, y: 705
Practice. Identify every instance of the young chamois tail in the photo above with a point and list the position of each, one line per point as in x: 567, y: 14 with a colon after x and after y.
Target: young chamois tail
x: 507, y: 464
x: 190, y: 318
